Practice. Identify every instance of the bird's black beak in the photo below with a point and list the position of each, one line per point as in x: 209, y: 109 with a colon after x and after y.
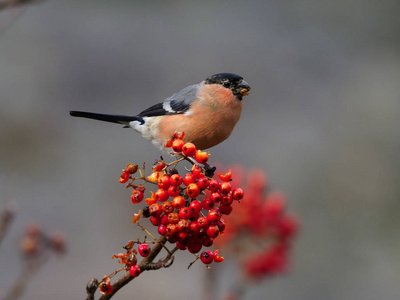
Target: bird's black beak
x: 242, y: 89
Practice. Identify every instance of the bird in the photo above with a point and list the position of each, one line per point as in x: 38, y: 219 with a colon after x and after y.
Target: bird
x: 205, y: 112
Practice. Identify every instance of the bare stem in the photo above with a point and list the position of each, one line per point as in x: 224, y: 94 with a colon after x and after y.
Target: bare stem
x: 6, y: 218
x: 145, y: 230
x: 24, y: 278
x: 197, y: 257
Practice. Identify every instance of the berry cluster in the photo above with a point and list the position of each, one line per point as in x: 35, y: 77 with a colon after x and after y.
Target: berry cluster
x: 265, y: 220
x: 187, y: 209
x: 178, y: 212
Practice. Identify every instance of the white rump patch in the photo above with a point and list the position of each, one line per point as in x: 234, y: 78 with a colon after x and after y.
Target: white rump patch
x: 149, y: 129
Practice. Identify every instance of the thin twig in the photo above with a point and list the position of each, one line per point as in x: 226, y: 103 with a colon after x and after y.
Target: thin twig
x: 24, y: 278
x: 6, y: 218
x: 148, y: 232
x: 143, y: 267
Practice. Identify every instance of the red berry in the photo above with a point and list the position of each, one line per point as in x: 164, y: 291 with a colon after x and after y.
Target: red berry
x: 173, y: 218
x: 197, y: 172
x: 237, y: 194
x: 134, y: 271
x: 215, y: 197
x: 155, y: 210
x: 176, y: 180
x: 225, y: 188
x: 124, y: 177
x: 130, y: 261
x: 212, y: 231
x: 172, y: 230
x: 162, y: 229
x: 207, y: 241
x: 172, y: 239
x: 183, y: 225
x: 194, y: 228
x: 192, y: 190
x: 173, y: 191
x: 207, y: 203
x: 194, y: 247
x: 106, y: 288
x: 164, y: 182
x: 155, y: 220
x: 144, y: 250
x: 137, y: 196
x: 185, y: 213
x: 177, y: 145
x: 195, y: 206
x: 167, y: 207
x: 180, y: 245
x: 214, y: 185
x: 183, y: 237
x: 198, y: 237
x: 201, y: 157
x: 226, y: 200
x: 178, y: 202
x: 161, y: 195
x: 188, y: 179
x: 164, y: 219
x: 207, y: 257
x: 221, y: 225
x: 203, y: 222
x: 189, y: 149
x: 213, y: 216
x: 225, y: 209
x: 203, y: 183
x: 195, y: 215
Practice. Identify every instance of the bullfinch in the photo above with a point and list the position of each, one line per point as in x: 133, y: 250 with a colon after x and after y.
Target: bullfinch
x: 206, y: 112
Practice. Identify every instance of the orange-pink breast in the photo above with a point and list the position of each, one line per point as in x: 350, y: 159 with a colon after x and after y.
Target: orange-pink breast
x: 210, y: 120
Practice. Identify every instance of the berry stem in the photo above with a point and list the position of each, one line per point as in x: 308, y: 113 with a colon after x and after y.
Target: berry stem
x: 115, y: 273
x: 174, y: 163
x: 145, y: 230
x: 197, y: 257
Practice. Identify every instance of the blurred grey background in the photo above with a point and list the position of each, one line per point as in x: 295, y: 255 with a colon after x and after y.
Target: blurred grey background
x: 322, y: 120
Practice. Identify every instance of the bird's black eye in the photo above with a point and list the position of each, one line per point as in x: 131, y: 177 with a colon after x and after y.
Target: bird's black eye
x: 226, y: 84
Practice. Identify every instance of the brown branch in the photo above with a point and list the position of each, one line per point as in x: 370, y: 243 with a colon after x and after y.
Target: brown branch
x: 91, y: 288
x: 163, y: 263
x: 145, y: 264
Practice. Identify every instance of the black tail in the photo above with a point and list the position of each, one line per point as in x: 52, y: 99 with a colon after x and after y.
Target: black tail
x: 107, y: 118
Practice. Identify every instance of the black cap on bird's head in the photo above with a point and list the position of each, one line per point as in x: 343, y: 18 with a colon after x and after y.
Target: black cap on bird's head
x: 235, y: 83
